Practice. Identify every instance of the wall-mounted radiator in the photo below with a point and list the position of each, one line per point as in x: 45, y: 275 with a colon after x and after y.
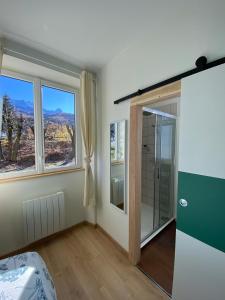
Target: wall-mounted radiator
x: 43, y: 216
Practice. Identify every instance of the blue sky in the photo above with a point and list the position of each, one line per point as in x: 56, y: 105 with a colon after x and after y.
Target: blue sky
x: 23, y: 90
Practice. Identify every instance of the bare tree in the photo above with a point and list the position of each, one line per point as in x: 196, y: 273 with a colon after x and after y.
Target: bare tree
x: 12, y: 125
x: 71, y: 131
x: 8, y: 123
x: 19, y: 129
x: 1, y: 152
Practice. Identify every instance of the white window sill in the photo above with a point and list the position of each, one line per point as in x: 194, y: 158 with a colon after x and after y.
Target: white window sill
x: 32, y: 176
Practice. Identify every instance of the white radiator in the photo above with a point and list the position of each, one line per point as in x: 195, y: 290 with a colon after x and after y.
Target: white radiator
x: 43, y: 216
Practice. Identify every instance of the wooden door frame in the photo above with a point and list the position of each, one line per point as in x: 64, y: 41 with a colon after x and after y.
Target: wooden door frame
x: 135, y: 157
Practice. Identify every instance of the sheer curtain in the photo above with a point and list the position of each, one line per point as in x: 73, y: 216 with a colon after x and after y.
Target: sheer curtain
x: 87, y: 115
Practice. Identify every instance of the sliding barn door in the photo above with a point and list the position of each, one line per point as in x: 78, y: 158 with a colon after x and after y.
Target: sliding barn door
x: 200, y: 237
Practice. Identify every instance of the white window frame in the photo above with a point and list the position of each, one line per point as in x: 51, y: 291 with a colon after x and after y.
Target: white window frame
x: 116, y: 160
x: 38, y: 126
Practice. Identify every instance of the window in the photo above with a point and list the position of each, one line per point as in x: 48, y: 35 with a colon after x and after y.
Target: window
x: 38, y: 126
x: 58, y: 110
x: 117, y: 136
x: 17, y: 141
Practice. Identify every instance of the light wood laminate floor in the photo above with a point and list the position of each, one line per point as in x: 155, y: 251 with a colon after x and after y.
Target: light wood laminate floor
x: 86, y: 264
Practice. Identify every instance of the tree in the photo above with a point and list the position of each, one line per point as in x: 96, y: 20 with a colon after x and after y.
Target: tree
x: 12, y: 125
x: 1, y: 151
x: 18, y: 137
x: 71, y: 131
x: 8, y: 123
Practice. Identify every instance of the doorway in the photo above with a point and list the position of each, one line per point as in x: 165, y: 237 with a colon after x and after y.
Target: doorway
x: 161, y: 210
x: 158, y: 225
x: 158, y: 169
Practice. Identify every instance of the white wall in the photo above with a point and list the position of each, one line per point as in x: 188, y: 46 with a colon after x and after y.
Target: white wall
x: 199, y: 30
x: 14, y: 193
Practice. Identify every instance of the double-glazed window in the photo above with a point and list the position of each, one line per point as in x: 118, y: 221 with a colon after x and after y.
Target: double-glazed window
x: 38, y: 126
x: 117, y: 141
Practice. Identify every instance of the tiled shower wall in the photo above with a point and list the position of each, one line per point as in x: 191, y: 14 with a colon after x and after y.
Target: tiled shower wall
x: 148, y: 158
x: 148, y: 151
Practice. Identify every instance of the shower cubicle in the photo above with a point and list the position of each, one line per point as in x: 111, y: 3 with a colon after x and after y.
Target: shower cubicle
x: 158, y: 169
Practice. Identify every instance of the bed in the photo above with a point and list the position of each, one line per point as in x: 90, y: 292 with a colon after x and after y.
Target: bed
x: 25, y: 277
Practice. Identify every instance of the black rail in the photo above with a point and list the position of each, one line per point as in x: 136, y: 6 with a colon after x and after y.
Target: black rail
x: 201, y: 65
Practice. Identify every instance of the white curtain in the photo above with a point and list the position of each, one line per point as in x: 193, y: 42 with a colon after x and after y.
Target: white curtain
x: 88, y: 134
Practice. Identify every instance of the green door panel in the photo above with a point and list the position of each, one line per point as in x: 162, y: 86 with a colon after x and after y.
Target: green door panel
x: 204, y: 217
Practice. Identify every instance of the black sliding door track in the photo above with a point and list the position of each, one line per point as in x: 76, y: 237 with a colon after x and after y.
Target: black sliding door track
x: 201, y: 65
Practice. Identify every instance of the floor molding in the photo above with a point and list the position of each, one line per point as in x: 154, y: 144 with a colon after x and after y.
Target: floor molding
x: 118, y: 246
x: 90, y: 224
x: 43, y: 240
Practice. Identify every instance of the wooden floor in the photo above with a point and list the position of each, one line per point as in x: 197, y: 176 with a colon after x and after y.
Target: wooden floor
x: 86, y: 264
x: 157, y: 258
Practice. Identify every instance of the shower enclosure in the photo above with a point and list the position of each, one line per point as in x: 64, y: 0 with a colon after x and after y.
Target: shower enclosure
x: 158, y: 166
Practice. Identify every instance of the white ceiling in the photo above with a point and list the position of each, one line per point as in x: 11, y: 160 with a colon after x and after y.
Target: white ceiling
x: 89, y: 33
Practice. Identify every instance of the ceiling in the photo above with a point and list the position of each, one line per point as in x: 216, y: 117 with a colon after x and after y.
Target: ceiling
x: 89, y: 33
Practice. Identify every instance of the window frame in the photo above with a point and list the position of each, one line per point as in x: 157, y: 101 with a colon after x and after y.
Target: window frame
x: 40, y: 169
x: 116, y: 160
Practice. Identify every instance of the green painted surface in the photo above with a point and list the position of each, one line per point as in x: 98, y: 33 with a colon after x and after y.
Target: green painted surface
x: 204, y: 217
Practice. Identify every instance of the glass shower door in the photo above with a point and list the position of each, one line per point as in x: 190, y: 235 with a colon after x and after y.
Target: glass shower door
x: 164, y: 170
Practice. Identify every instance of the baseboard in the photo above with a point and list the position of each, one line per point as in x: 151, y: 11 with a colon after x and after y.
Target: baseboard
x: 90, y: 224
x: 118, y: 246
x: 41, y: 241
x: 35, y: 244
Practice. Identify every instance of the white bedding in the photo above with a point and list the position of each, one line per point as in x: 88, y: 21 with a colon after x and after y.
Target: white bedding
x: 25, y: 277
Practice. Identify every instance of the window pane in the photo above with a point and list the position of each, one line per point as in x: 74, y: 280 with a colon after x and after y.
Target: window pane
x: 17, y: 141
x: 59, y: 127
x: 121, y: 140
x: 113, y: 141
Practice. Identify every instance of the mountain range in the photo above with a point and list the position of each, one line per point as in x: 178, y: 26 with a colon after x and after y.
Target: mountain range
x: 27, y: 108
